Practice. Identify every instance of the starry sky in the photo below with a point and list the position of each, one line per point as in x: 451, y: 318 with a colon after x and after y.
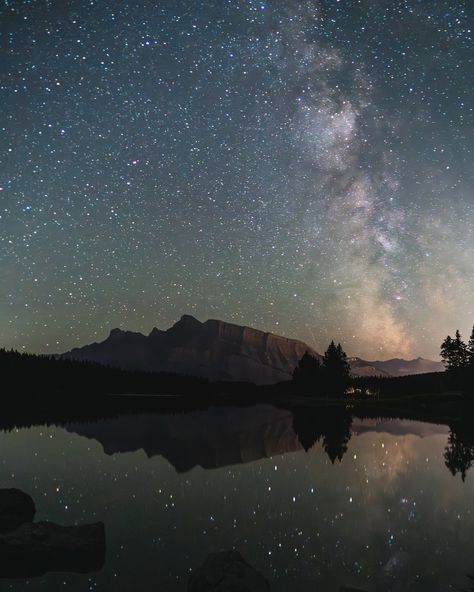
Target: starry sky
x: 301, y: 167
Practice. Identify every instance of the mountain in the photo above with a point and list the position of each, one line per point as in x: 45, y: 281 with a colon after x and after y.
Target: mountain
x: 394, y: 367
x: 211, y: 438
x: 224, y: 436
x: 361, y: 367
x: 223, y: 351
x: 213, y: 349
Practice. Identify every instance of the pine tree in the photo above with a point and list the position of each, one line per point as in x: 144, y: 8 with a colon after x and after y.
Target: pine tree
x: 470, y: 349
x: 336, y: 369
x: 308, y: 373
x: 461, y: 356
x: 455, y: 353
x: 345, y: 367
x: 447, y: 352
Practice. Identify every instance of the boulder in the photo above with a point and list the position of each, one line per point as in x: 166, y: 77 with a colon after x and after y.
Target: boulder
x: 16, y: 507
x: 227, y: 571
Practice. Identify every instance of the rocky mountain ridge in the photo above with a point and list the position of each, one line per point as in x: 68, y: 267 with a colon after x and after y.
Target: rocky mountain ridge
x: 222, y: 351
x: 394, y: 367
x: 213, y: 349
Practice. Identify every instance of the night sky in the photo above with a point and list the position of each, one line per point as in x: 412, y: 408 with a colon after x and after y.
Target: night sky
x: 301, y: 167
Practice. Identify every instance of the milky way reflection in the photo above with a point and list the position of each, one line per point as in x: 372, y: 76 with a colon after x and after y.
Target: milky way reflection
x: 388, y: 513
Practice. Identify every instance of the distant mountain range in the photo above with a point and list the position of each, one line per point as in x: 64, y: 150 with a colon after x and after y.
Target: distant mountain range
x: 394, y: 367
x: 223, y: 351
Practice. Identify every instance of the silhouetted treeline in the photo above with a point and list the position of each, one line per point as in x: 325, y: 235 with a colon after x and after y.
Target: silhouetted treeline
x: 330, y: 423
x: 332, y: 426
x: 459, y: 452
x: 396, y: 386
x: 311, y: 380
x: 332, y: 376
x: 41, y: 376
x: 329, y: 377
x: 459, y: 361
x: 457, y: 354
x: 46, y: 375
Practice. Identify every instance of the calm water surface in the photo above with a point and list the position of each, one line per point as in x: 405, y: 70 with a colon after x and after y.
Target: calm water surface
x: 371, y: 505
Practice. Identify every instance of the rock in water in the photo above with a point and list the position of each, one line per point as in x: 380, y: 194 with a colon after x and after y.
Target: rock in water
x: 16, y: 507
x: 34, y: 549
x: 227, y: 572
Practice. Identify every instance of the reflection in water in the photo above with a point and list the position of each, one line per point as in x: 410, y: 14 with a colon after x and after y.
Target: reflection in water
x: 225, y: 436
x: 332, y: 424
x: 471, y: 587
x: 369, y: 505
x: 29, y: 549
x: 227, y: 571
x: 34, y: 549
x: 217, y: 437
x: 459, y: 453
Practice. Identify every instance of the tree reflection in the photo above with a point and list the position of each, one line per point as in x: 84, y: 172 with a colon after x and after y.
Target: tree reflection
x: 332, y: 424
x: 307, y: 426
x: 459, y: 451
x: 337, y: 434
x: 471, y: 586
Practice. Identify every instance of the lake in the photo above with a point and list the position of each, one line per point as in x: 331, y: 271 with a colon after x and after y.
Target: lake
x: 371, y: 503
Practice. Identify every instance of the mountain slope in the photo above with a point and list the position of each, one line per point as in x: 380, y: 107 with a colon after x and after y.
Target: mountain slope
x: 361, y: 367
x: 221, y: 436
x: 394, y: 367
x: 214, y: 349
x: 223, y: 351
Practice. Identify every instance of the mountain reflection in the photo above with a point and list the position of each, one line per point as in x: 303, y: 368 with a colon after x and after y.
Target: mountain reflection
x: 32, y: 549
x: 223, y: 436
x: 211, y: 438
x: 371, y: 492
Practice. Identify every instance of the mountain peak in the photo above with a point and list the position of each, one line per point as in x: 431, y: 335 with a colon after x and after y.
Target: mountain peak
x: 218, y: 350
x: 118, y: 334
x: 114, y: 333
x: 188, y: 319
x: 155, y: 332
x: 187, y: 323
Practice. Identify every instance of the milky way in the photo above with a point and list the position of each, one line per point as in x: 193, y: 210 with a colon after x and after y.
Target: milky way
x: 301, y: 167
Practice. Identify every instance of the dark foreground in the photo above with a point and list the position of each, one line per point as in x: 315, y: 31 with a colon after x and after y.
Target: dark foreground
x: 313, y: 495
x: 25, y: 373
